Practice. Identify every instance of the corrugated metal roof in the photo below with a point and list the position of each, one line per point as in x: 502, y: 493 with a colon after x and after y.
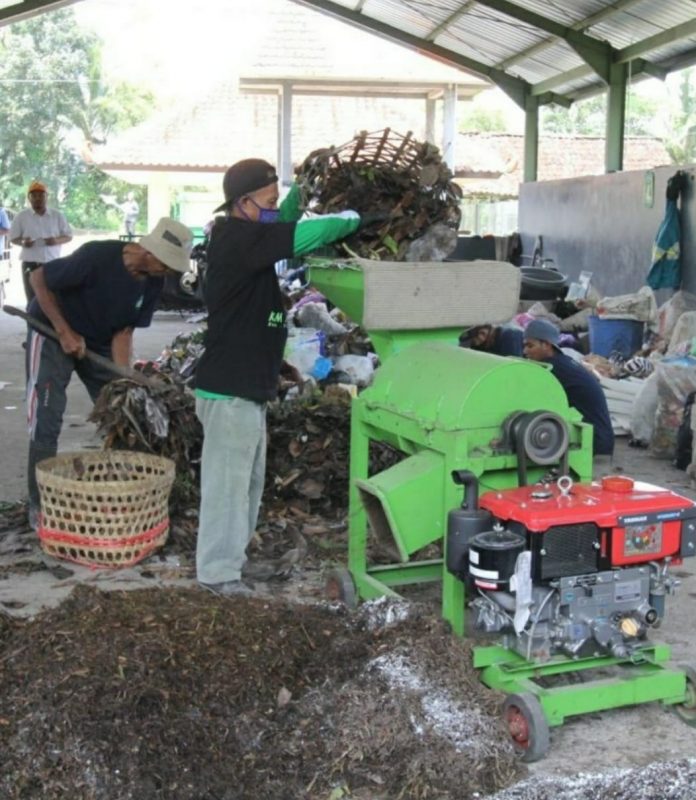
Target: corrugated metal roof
x: 537, y: 46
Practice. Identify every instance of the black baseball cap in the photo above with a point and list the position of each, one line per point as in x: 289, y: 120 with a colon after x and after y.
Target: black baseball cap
x: 245, y: 177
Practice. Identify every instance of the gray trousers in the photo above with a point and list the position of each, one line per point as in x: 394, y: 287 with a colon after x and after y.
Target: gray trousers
x: 233, y: 467
x: 49, y: 371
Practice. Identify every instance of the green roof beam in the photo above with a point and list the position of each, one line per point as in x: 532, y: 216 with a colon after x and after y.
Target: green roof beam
x: 582, y: 25
x: 616, y: 119
x: 551, y: 98
x: 438, y: 29
x: 595, y: 53
x: 631, y: 53
x: 668, y: 36
x: 642, y: 67
x: 558, y: 80
x: 638, y: 67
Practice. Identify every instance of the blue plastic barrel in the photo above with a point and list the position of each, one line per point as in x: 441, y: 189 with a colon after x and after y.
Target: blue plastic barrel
x: 607, y: 336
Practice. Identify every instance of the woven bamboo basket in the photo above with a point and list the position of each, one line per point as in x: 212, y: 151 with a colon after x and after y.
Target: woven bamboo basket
x: 106, y: 508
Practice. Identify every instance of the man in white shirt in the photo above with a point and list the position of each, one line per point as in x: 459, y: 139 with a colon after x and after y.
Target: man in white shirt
x: 39, y: 231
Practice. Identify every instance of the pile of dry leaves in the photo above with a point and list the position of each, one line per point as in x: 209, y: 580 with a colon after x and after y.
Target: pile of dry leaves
x: 305, y: 499
x: 158, y: 418
x: 180, y: 695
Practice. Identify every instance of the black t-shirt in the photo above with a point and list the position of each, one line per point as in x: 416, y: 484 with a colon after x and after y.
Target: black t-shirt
x: 585, y: 394
x: 97, y: 295
x: 246, y: 333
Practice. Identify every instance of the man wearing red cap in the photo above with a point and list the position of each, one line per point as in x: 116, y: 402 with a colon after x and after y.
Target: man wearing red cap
x: 40, y: 231
x: 238, y: 372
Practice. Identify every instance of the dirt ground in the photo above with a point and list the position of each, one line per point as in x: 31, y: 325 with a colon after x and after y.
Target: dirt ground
x: 136, y: 684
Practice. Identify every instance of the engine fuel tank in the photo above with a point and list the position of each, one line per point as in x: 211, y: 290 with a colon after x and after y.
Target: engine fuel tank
x: 637, y: 521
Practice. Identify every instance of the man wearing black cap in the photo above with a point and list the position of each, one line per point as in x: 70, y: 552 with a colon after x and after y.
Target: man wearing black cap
x: 238, y: 372
x: 581, y: 387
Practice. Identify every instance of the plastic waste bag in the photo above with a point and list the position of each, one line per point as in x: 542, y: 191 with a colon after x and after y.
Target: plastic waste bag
x: 359, y: 369
x: 316, y: 315
x: 676, y: 379
x: 305, y: 351
x: 638, y: 305
x: 643, y: 411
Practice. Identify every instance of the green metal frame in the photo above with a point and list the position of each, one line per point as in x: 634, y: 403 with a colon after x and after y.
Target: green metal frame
x: 443, y: 408
x: 429, y: 428
x: 649, y: 680
x: 343, y: 282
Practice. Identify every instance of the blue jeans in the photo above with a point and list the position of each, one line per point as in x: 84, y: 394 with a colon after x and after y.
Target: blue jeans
x: 233, y: 466
x: 49, y: 371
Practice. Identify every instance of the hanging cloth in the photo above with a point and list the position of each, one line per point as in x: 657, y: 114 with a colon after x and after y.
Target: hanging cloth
x: 665, y: 272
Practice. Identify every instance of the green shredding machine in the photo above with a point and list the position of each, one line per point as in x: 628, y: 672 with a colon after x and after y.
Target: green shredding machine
x: 492, y: 497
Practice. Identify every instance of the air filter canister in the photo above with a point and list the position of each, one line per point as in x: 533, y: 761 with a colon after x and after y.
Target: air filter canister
x: 492, y: 557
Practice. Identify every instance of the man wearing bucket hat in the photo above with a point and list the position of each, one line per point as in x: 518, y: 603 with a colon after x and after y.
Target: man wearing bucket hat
x: 581, y: 387
x: 40, y: 231
x: 93, y: 298
x: 238, y: 372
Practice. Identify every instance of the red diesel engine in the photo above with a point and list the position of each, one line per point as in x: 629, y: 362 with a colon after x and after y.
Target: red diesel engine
x: 579, y: 569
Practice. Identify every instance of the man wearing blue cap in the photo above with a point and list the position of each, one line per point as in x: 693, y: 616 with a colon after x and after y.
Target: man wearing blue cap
x: 581, y: 387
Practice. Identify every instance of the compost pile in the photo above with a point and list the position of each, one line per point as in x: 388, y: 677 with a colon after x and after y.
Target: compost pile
x: 179, y: 695
x: 400, y: 184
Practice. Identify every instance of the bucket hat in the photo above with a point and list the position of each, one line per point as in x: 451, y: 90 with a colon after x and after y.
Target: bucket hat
x: 170, y: 242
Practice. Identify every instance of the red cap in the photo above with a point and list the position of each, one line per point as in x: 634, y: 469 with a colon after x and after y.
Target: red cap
x: 617, y: 483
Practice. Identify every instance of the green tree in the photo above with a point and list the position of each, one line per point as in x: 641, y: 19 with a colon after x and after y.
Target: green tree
x: 56, y: 105
x: 680, y: 139
x: 482, y: 120
x: 588, y: 117
x: 583, y: 118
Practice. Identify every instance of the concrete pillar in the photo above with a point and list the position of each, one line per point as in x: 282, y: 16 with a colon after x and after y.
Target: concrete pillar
x: 430, y: 120
x: 449, y: 126
x: 158, y: 198
x: 284, y: 166
x: 531, y: 139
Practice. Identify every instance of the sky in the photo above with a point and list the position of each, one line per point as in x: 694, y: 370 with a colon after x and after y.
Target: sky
x: 177, y: 48
x: 172, y: 47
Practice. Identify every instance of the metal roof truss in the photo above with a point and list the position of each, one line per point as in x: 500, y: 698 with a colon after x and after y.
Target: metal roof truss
x: 555, y: 51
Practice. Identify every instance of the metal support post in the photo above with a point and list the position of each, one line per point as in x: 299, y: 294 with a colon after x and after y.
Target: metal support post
x: 616, y: 118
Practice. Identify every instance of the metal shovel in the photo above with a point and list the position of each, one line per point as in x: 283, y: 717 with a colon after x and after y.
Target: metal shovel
x: 96, y: 358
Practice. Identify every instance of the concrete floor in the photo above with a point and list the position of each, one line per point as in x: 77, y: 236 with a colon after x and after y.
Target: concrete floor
x: 594, y: 743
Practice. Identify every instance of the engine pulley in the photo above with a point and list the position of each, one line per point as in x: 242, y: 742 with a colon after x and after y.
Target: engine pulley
x: 544, y: 437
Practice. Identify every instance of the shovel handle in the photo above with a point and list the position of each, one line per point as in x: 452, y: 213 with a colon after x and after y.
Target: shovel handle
x: 95, y: 358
